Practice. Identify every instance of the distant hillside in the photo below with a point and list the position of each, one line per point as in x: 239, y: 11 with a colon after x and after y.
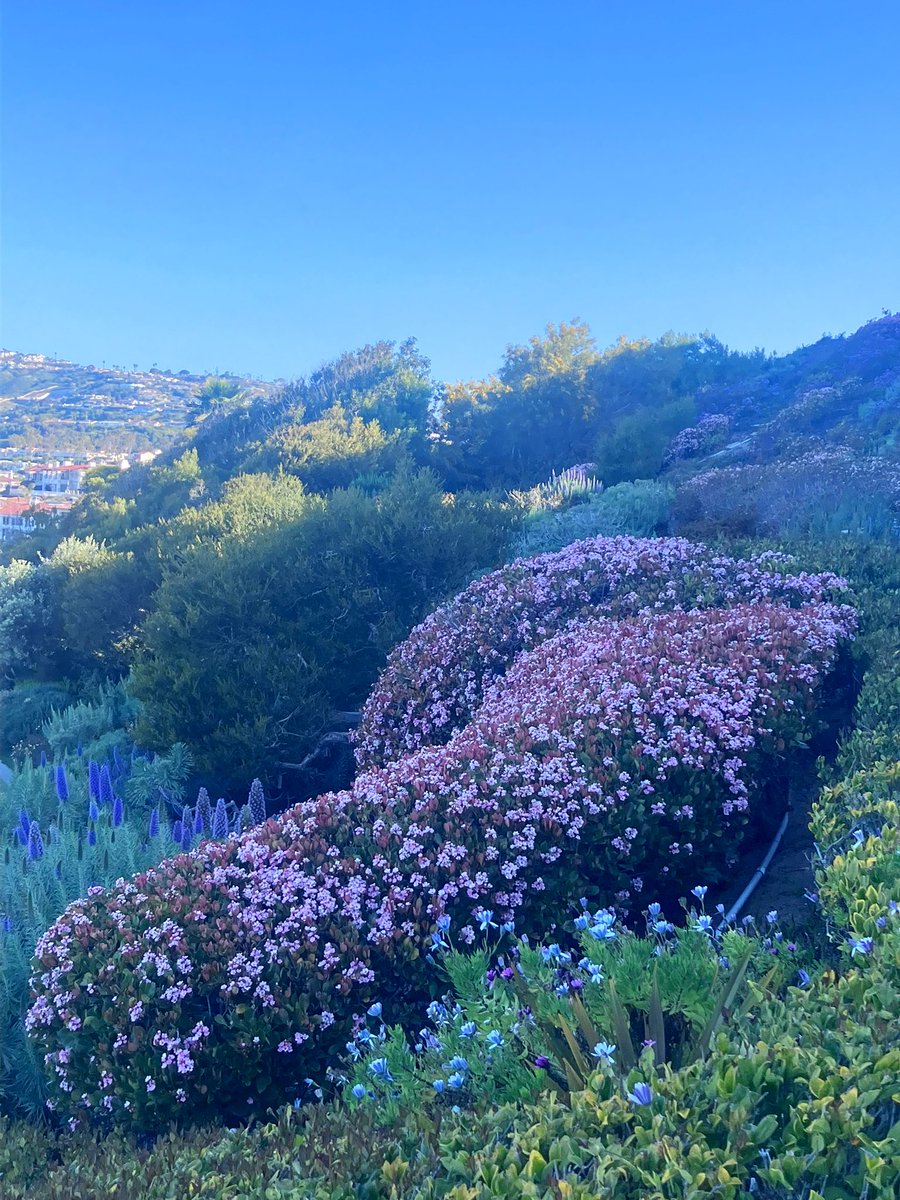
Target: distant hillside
x: 63, y: 408
x: 842, y: 390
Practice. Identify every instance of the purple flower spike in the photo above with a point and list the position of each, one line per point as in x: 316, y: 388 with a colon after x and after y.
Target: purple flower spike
x: 35, y: 842
x: 62, y: 784
x: 94, y: 780
x: 118, y: 811
x: 220, y: 820
x: 204, y: 808
x: 257, y: 802
x: 154, y: 823
x: 106, y: 787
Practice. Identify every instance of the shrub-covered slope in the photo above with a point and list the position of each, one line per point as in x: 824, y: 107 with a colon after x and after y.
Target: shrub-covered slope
x: 613, y: 751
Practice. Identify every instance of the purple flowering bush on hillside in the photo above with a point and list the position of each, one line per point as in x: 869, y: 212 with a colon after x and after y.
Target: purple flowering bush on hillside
x: 707, y: 435
x: 828, y: 491
x: 434, y: 681
x: 225, y: 978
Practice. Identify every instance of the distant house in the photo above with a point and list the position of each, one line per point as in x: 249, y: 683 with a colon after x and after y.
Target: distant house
x: 17, y: 513
x: 15, y: 521
x: 56, y: 480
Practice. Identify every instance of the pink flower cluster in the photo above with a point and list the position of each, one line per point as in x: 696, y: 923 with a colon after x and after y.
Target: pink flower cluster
x: 434, y: 681
x: 708, y: 434
x: 614, y: 752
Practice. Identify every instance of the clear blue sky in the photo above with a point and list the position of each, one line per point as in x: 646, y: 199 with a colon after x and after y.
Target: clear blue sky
x: 256, y: 186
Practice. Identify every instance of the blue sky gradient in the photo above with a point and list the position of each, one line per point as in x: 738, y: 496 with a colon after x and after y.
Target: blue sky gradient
x: 257, y: 187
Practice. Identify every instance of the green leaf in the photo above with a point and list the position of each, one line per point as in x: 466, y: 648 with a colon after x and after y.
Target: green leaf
x: 621, y: 1029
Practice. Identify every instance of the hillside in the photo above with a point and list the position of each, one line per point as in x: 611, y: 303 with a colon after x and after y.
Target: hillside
x: 63, y: 408
x: 638, y: 408
x: 580, y: 712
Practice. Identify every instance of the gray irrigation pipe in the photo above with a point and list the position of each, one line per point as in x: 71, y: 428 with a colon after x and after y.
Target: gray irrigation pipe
x: 761, y: 869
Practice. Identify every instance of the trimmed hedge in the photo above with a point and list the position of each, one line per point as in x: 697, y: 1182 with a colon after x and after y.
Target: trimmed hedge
x: 434, y: 681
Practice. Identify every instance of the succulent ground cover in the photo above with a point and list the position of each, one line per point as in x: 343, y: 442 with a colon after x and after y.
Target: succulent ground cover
x: 615, y: 751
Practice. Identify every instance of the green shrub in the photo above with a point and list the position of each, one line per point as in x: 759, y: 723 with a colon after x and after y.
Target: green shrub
x: 635, y: 448
x: 312, y: 604
x: 25, y: 708
x: 639, y: 509
x: 80, y: 725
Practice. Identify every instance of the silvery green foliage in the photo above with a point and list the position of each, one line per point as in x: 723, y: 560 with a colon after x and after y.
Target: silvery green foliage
x: 639, y: 509
x: 53, y: 853
x: 110, y: 711
x: 68, y: 855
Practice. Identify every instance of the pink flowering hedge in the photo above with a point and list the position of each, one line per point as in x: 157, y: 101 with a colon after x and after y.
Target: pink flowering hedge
x: 434, y: 681
x: 617, y: 753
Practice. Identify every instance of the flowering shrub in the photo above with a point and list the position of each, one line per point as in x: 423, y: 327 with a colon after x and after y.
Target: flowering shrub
x: 434, y: 681
x: 823, y: 492
x: 538, y: 1018
x: 708, y: 434
x: 68, y: 827
x: 226, y: 976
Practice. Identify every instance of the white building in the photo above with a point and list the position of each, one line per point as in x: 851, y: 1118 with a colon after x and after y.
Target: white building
x: 56, y: 480
x: 14, y: 519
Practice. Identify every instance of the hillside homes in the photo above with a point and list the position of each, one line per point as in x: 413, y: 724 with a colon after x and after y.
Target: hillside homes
x: 60, y: 480
x: 15, y: 519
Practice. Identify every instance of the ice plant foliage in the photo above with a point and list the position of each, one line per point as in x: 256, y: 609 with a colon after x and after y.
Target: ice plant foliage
x: 614, y: 750
x: 435, y: 680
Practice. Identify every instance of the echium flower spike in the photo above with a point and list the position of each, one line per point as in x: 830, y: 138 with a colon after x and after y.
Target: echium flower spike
x: 24, y: 825
x: 94, y: 780
x: 220, y: 820
x: 204, y: 808
x: 118, y: 811
x: 43, y: 758
x: 62, y: 784
x: 106, y: 787
x: 185, y: 837
x: 154, y: 823
x: 198, y: 822
x: 93, y: 811
x: 257, y: 802
x: 35, y: 842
